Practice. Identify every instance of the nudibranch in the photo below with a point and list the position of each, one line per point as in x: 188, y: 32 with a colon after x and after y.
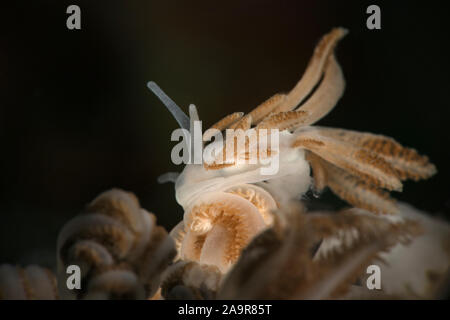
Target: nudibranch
x: 226, y: 205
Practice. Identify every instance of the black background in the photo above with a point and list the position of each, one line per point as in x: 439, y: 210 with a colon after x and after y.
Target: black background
x: 76, y: 117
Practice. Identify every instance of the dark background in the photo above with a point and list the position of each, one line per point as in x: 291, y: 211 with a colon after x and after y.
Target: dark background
x: 76, y: 117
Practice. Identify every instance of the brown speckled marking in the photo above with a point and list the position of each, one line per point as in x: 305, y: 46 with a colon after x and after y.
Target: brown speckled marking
x: 54, y: 283
x: 265, y: 108
x: 407, y: 163
x: 305, y: 143
x: 314, y: 70
x: 227, y: 121
x: 283, y: 120
x: 318, y: 171
x: 243, y: 124
x: 29, y: 292
x: 232, y: 221
x: 368, y: 157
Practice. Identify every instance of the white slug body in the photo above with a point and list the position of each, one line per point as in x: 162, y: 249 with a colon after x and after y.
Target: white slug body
x: 224, y: 209
x: 196, y: 180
